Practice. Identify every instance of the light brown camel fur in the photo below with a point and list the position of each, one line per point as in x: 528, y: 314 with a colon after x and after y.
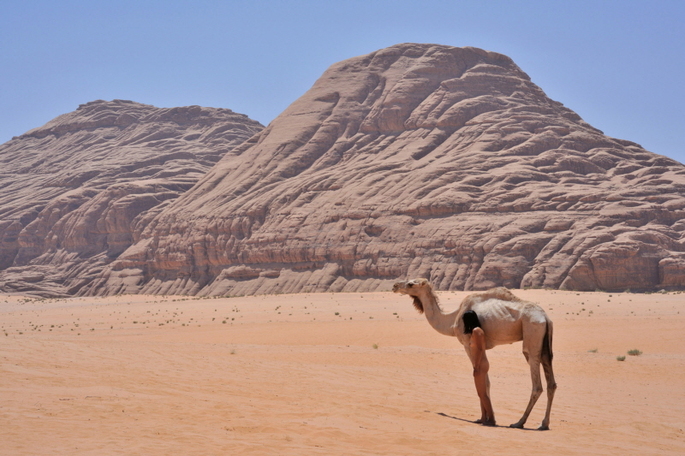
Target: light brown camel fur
x: 505, y: 319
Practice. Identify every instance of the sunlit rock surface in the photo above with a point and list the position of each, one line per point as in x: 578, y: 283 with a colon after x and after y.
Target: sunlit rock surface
x: 415, y: 160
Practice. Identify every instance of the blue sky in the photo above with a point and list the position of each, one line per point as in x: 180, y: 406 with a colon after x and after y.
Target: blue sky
x: 619, y: 64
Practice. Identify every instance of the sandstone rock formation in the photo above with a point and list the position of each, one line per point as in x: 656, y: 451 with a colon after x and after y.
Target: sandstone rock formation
x: 76, y: 193
x: 415, y: 160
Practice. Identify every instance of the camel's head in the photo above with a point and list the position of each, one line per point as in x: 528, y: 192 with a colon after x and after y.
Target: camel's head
x: 413, y: 288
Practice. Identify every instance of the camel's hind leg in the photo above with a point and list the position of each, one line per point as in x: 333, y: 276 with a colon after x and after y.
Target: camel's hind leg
x: 533, y: 345
x: 551, y: 389
x: 549, y: 375
x: 542, y: 348
x: 534, y: 363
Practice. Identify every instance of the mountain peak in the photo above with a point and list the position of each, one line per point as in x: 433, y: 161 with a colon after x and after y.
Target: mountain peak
x: 418, y: 160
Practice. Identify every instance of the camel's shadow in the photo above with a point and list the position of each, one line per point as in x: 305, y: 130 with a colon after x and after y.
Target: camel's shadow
x: 473, y: 422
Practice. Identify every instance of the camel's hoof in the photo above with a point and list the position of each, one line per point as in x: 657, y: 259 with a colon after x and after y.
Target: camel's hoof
x: 489, y: 423
x: 516, y: 425
x: 544, y: 427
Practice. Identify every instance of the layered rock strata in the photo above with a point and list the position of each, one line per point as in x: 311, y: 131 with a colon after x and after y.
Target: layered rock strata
x: 77, y: 192
x: 420, y: 161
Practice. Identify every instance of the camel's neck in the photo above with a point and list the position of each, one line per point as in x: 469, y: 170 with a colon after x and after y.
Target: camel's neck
x: 440, y: 321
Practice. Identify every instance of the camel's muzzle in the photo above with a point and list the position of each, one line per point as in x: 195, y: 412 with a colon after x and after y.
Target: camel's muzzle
x: 401, y: 287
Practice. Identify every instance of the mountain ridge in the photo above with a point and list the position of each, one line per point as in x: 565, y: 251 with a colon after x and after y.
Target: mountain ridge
x: 74, y: 190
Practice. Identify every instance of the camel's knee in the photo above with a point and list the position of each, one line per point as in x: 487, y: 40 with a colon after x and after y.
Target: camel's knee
x: 482, y: 393
x: 551, y: 389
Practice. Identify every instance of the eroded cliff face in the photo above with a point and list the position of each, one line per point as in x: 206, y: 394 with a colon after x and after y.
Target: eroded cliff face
x: 420, y: 161
x: 77, y: 192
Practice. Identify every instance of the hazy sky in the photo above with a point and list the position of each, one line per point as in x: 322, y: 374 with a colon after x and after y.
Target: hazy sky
x: 619, y: 64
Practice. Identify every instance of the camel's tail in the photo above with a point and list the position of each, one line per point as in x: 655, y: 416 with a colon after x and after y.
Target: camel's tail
x: 547, y: 343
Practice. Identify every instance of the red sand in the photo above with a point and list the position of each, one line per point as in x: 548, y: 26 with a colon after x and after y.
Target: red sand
x: 286, y: 375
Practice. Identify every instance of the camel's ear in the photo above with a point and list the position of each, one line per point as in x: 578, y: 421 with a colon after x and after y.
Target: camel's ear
x: 418, y: 304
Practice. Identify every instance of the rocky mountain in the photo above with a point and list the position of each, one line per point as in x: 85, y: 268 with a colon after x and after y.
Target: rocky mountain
x: 415, y: 160
x: 77, y: 192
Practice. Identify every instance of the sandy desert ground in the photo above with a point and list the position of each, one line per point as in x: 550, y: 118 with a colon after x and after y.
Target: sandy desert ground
x: 329, y: 374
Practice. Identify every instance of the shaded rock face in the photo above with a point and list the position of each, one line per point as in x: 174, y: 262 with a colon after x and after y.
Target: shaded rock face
x: 77, y: 192
x: 420, y: 161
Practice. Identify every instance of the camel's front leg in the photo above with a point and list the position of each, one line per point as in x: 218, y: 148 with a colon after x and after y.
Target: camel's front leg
x: 482, y: 381
x: 535, y: 393
x: 485, y: 380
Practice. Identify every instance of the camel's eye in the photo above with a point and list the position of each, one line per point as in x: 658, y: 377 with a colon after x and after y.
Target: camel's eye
x: 410, y: 284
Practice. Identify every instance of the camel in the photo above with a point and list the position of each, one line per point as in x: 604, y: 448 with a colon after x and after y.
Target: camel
x: 505, y: 319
